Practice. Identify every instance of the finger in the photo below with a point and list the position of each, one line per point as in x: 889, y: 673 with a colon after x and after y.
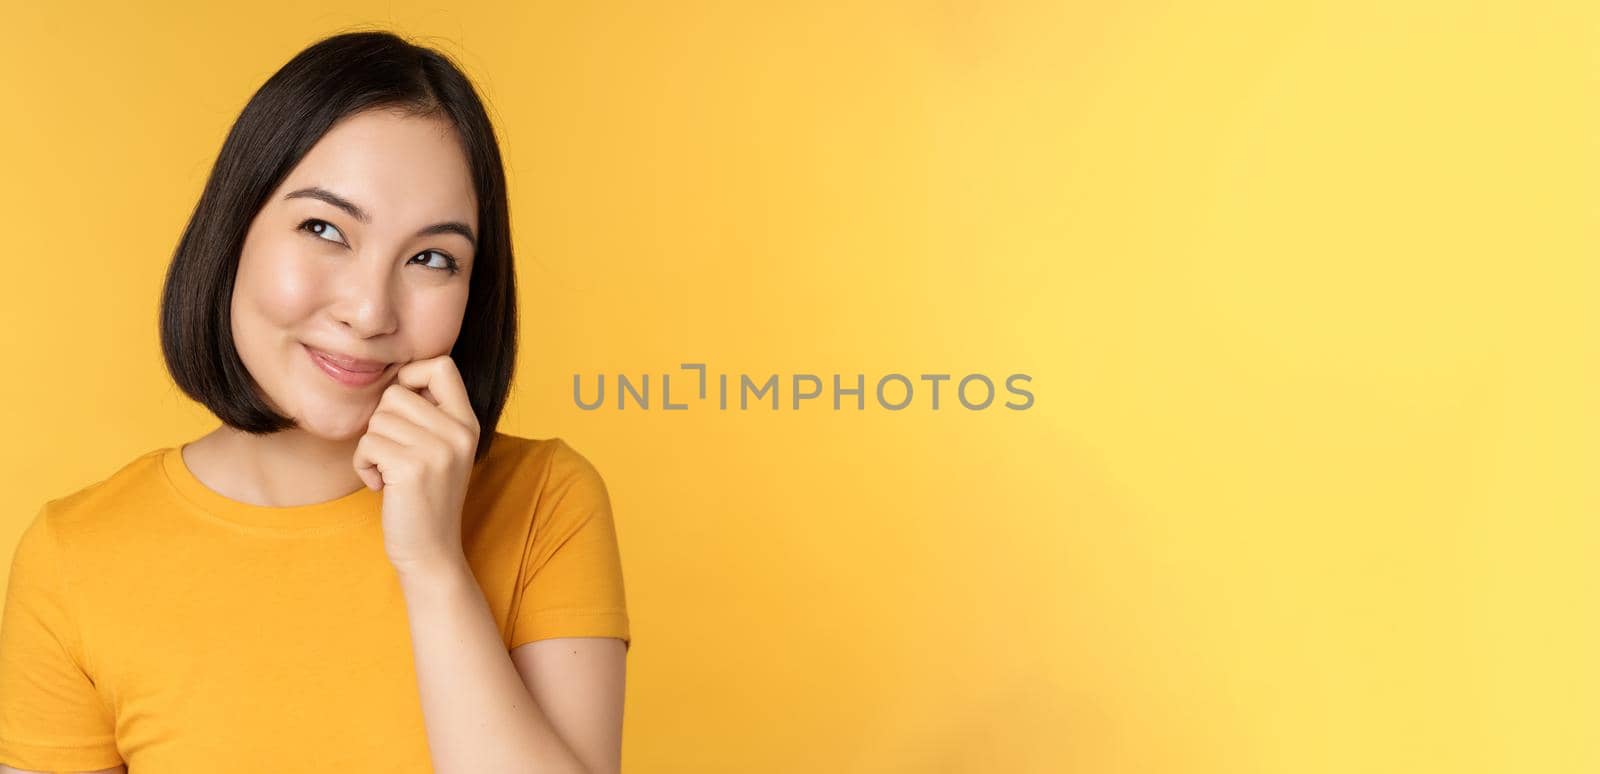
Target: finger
x: 399, y: 399
x: 443, y: 381
x: 373, y: 452
x: 401, y: 429
x: 402, y: 400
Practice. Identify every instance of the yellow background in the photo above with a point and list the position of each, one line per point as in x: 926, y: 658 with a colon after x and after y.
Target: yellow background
x: 1305, y: 290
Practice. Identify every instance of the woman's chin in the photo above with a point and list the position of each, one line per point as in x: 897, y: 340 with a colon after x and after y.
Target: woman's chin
x: 335, y: 424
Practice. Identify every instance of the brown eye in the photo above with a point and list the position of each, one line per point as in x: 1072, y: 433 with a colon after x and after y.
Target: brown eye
x: 321, y: 228
x: 450, y: 263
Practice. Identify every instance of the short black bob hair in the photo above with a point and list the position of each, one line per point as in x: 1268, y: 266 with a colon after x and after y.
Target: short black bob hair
x: 329, y: 80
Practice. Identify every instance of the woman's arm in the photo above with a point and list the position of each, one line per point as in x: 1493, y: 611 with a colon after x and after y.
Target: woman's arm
x: 478, y: 713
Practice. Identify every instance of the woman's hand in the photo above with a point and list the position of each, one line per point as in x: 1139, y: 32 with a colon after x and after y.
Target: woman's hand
x: 418, y: 450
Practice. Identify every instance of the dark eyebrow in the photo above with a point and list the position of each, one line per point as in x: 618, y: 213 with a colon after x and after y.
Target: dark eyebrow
x: 453, y: 227
x: 332, y: 198
x: 323, y: 194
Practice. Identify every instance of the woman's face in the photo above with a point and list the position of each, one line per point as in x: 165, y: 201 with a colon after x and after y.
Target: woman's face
x: 352, y: 255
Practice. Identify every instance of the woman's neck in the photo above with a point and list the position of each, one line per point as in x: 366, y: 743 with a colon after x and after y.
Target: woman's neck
x: 282, y: 469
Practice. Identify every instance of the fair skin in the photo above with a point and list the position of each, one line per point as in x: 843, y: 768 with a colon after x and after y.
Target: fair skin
x: 376, y: 290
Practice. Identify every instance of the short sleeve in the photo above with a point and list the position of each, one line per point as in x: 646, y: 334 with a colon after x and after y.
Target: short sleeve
x: 51, y: 717
x: 571, y: 581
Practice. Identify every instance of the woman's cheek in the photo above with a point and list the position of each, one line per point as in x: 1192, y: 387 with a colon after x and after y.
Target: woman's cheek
x: 435, y: 324
x: 286, y: 290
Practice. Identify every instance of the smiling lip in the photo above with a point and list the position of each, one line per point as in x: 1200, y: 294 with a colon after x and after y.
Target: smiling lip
x: 349, y: 371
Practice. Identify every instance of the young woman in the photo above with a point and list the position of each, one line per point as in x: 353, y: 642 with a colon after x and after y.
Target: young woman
x: 355, y: 571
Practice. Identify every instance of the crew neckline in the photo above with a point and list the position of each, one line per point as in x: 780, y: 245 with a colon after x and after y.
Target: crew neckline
x: 357, y: 507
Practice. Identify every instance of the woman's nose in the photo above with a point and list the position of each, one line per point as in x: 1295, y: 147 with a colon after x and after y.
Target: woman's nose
x: 365, y: 298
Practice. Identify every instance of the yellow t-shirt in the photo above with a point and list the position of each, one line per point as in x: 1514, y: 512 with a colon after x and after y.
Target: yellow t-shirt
x: 153, y: 621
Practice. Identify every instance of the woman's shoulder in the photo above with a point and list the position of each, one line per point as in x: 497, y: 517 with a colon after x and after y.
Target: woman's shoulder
x: 134, y: 482
x: 539, y: 470
x: 524, y: 452
x: 129, y: 479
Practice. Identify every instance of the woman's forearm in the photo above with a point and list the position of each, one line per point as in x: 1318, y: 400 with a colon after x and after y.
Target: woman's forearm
x: 479, y: 715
